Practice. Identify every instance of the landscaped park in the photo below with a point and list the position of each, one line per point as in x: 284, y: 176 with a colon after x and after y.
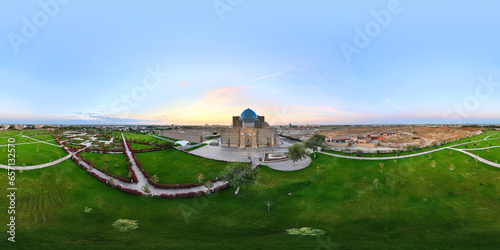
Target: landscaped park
x: 438, y: 200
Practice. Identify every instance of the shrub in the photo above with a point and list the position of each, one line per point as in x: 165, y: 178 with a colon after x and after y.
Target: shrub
x: 125, y: 225
x: 305, y: 231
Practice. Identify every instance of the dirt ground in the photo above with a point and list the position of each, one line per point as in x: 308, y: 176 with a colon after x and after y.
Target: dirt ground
x: 415, y: 135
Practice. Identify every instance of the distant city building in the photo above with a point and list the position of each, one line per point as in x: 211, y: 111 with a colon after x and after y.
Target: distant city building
x: 249, y: 131
x: 19, y: 126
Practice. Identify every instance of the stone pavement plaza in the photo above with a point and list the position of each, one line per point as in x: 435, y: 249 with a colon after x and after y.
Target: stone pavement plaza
x: 223, y: 153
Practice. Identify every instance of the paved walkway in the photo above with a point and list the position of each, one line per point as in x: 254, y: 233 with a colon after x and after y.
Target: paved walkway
x: 493, y: 164
x: 423, y: 153
x: 143, y: 181
x: 486, y: 138
x: 48, y: 164
x: 162, y: 138
x: 472, y: 149
x: 41, y: 141
x: 222, y: 153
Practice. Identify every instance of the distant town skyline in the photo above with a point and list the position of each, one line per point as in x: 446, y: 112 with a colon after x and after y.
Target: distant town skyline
x: 325, y: 62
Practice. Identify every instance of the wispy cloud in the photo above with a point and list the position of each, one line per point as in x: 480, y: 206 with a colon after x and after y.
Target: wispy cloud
x: 394, y: 105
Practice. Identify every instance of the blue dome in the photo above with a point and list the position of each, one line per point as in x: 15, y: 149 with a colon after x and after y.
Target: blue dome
x: 248, y: 115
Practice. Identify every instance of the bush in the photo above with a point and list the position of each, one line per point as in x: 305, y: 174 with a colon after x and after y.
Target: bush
x: 305, y: 231
x: 125, y: 225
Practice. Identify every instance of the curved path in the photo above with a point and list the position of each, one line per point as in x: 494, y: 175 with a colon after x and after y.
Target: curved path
x: 156, y: 191
x: 48, y: 164
x: 143, y: 181
x: 162, y: 138
x: 486, y: 138
x: 493, y: 164
x: 423, y: 153
x: 134, y: 186
x: 41, y: 141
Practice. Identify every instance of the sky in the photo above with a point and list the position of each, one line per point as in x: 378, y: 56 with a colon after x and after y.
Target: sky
x: 202, y: 62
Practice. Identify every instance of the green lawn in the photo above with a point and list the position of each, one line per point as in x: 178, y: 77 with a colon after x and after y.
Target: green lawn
x: 136, y: 137
x: 31, y: 132
x: 48, y: 138
x: 175, y: 167
x: 196, y: 147
x: 137, y: 146
x: 481, y: 144
x: 18, y: 139
x: 414, y: 207
x: 27, y: 154
x: 112, y: 160
x: 9, y: 133
x: 172, y: 139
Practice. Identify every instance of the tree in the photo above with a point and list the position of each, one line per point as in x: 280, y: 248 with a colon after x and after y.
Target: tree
x: 452, y: 167
x: 154, y: 179
x: 209, y: 184
x: 269, y: 204
x: 146, y: 189
x: 111, y: 181
x: 376, y: 182
x: 381, y: 164
x: 239, y: 174
x: 297, y: 152
x: 315, y: 142
x: 359, y: 153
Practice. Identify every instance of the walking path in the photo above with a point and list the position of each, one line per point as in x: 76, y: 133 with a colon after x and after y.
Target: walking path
x: 41, y: 141
x: 423, y: 153
x: 486, y: 138
x: 472, y: 149
x: 163, y: 138
x: 52, y: 163
x: 493, y: 164
x: 143, y: 181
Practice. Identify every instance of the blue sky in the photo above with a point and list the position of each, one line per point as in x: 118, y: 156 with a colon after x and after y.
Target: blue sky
x: 198, y: 62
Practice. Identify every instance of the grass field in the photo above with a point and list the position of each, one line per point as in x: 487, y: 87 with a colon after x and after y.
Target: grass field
x: 9, y: 133
x: 136, y: 137
x: 137, y: 146
x: 414, y: 207
x: 482, y: 144
x: 27, y: 154
x: 175, y: 167
x: 112, y: 160
x: 172, y: 139
x: 18, y: 139
x: 47, y: 138
x: 196, y: 147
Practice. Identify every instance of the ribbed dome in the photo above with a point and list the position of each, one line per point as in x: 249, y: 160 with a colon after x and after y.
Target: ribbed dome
x: 248, y: 115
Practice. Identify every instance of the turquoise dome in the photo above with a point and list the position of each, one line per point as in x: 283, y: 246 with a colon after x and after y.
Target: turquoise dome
x: 248, y: 115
